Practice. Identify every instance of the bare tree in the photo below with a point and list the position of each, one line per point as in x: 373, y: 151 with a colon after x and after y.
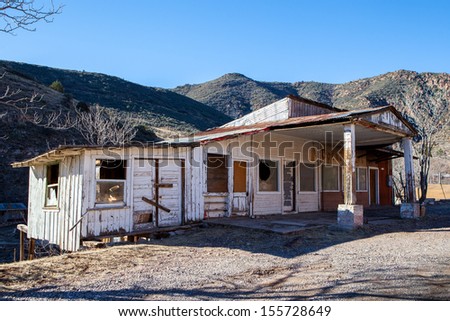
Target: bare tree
x: 24, y: 14
x: 102, y: 126
x: 98, y: 125
x: 427, y: 108
x: 16, y: 100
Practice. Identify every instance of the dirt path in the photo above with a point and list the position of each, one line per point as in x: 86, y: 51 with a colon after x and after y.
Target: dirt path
x: 399, y: 260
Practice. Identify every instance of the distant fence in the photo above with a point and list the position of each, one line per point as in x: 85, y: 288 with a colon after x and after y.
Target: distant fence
x: 440, y: 178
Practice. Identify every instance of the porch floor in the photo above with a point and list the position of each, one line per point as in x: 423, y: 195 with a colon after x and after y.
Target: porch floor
x: 296, y: 223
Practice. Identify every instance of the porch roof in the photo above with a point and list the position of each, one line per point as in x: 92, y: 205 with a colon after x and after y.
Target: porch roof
x: 314, y: 127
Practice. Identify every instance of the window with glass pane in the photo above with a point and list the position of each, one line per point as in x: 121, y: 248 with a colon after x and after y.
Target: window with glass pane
x: 307, y: 178
x: 361, y: 179
x: 268, y: 176
x: 330, y: 178
x: 110, y: 185
x: 51, y: 199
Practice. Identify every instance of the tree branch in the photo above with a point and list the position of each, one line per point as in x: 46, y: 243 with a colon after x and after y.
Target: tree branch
x: 23, y: 14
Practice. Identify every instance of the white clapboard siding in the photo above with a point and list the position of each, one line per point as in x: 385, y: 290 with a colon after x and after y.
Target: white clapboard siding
x: 308, y: 202
x: 216, y: 205
x: 267, y: 203
x: 110, y: 221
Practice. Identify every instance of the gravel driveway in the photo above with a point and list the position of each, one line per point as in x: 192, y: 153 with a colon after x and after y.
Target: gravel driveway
x: 403, y: 259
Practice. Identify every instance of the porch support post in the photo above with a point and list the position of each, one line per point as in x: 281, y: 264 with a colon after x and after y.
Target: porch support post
x: 409, y: 209
x: 350, y: 215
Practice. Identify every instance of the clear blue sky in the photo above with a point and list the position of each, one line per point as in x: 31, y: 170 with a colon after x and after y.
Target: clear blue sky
x: 166, y: 43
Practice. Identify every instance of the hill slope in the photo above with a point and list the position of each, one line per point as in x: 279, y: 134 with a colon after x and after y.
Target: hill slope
x: 235, y: 94
x: 158, y: 107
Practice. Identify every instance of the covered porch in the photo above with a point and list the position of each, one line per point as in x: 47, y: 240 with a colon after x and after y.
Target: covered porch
x: 298, y: 223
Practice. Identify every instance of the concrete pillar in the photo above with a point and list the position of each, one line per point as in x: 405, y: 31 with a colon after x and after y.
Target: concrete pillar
x: 409, y: 209
x: 350, y: 215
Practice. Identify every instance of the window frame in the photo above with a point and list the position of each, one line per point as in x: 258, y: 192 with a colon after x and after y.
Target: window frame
x: 225, y: 165
x: 47, y: 186
x: 314, y: 168
x: 116, y: 204
x: 357, y: 179
x: 278, y: 190
x: 338, y: 177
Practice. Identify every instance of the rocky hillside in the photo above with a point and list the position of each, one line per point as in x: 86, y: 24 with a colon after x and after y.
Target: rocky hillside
x: 160, y: 108
x: 235, y: 94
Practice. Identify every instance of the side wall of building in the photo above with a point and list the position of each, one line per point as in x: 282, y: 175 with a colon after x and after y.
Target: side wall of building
x: 55, y: 224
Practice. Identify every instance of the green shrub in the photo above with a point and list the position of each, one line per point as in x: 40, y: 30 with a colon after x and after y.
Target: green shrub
x: 56, y: 85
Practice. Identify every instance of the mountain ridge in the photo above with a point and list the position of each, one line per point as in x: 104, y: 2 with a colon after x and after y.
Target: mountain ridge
x: 246, y: 94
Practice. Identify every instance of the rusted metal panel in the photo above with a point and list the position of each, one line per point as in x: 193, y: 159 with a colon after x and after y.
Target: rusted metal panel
x: 300, y: 109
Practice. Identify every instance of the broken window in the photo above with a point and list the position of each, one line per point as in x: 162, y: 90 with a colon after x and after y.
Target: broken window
x: 217, y: 174
x: 268, y: 176
x: 110, y: 181
x: 361, y: 179
x: 307, y: 178
x: 330, y: 178
x: 240, y: 177
x: 51, y: 199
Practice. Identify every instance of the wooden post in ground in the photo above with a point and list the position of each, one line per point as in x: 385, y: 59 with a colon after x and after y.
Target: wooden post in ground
x: 23, y: 229
x: 31, y: 244
x: 22, y: 246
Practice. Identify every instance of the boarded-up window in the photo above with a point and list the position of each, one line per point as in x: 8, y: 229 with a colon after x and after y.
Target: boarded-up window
x: 240, y: 177
x: 330, y: 178
x: 268, y: 176
x: 361, y: 179
x: 110, y: 181
x: 51, y: 199
x: 217, y: 174
x: 307, y: 178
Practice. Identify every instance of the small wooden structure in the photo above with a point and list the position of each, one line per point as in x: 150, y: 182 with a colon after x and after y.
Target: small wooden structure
x: 292, y: 156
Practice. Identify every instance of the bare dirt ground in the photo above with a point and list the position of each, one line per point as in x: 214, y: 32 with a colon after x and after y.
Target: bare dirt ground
x: 395, y: 260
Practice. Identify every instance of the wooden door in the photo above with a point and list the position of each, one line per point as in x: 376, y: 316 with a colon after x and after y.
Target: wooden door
x: 168, y: 190
x: 288, y: 186
x: 158, y: 193
x: 240, y: 201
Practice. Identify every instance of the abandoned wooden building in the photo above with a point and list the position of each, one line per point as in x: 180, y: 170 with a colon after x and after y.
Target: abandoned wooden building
x: 292, y: 156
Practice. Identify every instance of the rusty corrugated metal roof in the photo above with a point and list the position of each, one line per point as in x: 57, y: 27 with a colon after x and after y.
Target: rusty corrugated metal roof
x: 221, y: 133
